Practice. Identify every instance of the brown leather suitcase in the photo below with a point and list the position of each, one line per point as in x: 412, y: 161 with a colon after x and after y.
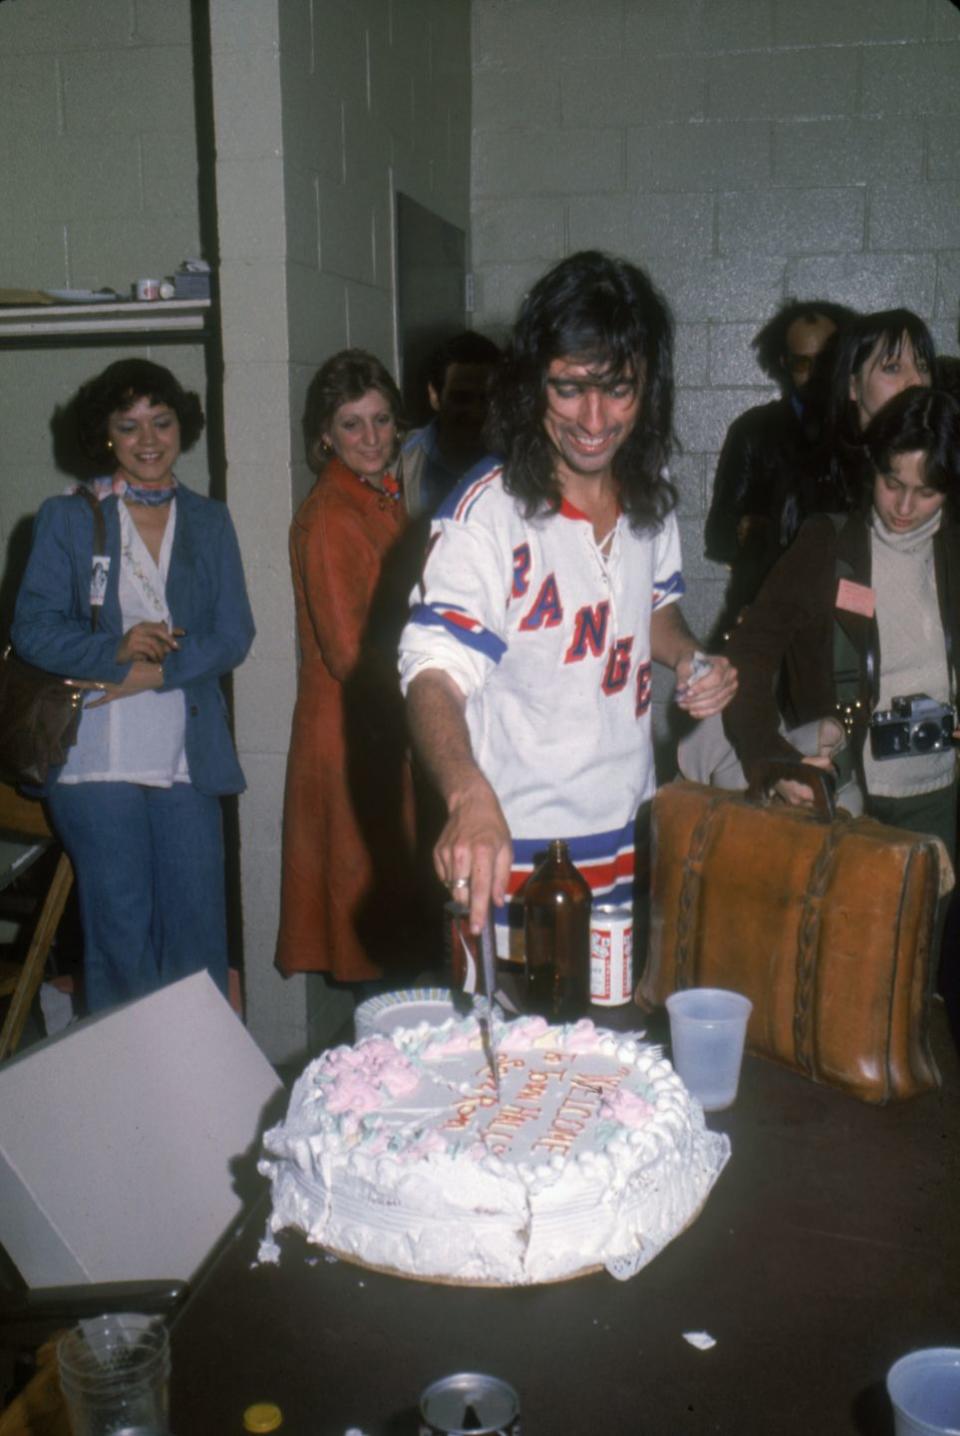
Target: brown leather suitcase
x: 824, y: 922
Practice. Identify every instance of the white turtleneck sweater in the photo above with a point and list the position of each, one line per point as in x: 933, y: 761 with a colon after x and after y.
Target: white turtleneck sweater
x: 913, y: 655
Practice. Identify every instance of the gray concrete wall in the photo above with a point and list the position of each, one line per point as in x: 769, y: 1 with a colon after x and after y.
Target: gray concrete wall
x: 743, y: 151
x: 322, y: 109
x: 98, y: 186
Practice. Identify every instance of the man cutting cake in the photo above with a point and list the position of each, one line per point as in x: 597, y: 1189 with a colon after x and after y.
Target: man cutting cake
x: 550, y: 586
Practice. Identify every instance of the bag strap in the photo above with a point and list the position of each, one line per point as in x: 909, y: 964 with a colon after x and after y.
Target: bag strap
x: 688, y: 907
x: 99, y: 540
x: 808, y: 949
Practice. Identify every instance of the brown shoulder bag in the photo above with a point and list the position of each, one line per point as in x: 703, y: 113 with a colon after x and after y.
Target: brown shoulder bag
x: 40, y: 712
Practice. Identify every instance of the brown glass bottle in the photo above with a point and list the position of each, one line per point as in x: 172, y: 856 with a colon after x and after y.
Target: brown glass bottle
x: 556, y: 938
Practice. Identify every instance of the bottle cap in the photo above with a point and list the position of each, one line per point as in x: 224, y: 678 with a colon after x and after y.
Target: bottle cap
x: 262, y: 1416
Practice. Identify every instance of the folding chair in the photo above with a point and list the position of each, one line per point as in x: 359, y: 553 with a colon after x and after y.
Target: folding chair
x: 24, y: 836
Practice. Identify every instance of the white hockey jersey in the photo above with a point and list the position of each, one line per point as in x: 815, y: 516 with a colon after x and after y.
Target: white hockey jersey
x: 549, y: 641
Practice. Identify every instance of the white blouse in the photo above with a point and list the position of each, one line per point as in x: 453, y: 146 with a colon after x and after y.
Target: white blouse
x: 138, y: 739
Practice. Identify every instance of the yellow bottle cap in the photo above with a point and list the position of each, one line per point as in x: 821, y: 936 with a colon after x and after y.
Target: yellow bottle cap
x: 262, y: 1416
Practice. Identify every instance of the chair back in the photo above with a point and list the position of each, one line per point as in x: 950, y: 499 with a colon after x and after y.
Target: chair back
x: 20, y: 815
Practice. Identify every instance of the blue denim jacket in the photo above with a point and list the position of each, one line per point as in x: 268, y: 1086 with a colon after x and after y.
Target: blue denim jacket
x: 206, y: 595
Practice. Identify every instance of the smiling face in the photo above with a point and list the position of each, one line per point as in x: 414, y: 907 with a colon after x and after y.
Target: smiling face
x: 145, y: 439
x: 883, y: 374
x: 589, y: 416
x: 902, y: 498
x: 363, y: 435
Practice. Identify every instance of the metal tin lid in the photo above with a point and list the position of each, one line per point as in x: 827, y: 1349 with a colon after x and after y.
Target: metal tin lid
x: 469, y: 1404
x: 262, y: 1416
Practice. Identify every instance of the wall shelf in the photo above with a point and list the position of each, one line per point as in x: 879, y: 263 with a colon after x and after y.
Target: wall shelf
x: 163, y: 320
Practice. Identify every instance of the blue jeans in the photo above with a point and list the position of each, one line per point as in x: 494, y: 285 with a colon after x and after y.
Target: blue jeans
x: 150, y: 881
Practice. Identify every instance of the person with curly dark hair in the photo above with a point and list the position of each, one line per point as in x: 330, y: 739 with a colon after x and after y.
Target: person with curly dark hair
x: 598, y: 308
x: 137, y: 803
x: 768, y: 449
x: 549, y: 589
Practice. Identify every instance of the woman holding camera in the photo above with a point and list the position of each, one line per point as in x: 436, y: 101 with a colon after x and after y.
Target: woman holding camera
x: 863, y: 611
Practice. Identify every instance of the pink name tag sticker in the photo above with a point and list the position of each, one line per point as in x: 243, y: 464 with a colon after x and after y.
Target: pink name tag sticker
x: 856, y: 598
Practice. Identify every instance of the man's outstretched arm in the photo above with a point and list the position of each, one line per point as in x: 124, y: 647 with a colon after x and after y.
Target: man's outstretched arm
x: 475, y: 842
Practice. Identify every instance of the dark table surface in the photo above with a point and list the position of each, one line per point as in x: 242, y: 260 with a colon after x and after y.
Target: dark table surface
x: 829, y: 1247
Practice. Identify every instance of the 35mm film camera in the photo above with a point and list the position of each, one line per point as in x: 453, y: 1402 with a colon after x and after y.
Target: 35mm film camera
x: 912, y: 724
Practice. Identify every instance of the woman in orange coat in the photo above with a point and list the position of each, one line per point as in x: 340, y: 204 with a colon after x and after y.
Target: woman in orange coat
x: 348, y: 892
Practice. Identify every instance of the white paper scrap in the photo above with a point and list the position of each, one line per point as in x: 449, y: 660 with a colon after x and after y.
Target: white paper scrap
x: 702, y: 1340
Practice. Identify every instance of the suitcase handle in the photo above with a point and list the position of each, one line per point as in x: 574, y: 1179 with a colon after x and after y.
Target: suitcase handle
x: 822, y: 783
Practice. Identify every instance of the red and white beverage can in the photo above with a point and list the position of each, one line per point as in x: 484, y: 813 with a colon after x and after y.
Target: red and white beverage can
x: 611, y: 955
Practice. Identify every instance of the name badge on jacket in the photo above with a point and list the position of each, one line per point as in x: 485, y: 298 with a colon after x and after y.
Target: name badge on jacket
x: 98, y: 579
x: 856, y: 598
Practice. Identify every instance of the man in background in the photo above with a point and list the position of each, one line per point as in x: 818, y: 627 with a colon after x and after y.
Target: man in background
x: 434, y: 458
x: 770, y: 452
x: 549, y: 589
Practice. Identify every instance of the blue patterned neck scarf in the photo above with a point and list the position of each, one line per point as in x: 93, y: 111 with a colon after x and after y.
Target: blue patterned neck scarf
x: 135, y: 493
x: 153, y: 498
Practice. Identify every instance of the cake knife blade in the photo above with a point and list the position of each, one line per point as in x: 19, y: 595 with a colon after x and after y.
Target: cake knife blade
x: 485, y: 1004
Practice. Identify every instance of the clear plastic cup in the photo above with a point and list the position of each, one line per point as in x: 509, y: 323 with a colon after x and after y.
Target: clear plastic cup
x: 114, y: 1372
x: 925, y: 1390
x: 708, y: 1027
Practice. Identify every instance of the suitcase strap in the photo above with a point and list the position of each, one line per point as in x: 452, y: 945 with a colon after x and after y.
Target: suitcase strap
x: 808, y: 933
x: 688, y: 917
x: 808, y: 946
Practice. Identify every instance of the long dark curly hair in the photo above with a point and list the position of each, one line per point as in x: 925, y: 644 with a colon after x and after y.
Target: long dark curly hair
x: 118, y: 387
x: 600, y: 310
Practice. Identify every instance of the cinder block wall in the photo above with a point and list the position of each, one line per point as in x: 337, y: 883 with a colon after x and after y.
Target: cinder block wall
x: 743, y: 151
x: 98, y: 186
x: 323, y: 109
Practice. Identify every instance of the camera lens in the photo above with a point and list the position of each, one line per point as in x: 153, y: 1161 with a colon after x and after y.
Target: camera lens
x: 926, y: 736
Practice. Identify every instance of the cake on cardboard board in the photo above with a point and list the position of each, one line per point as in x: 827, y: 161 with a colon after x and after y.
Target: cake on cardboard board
x: 397, y: 1153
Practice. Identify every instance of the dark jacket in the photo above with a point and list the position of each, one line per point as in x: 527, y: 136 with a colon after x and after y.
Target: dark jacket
x: 206, y: 595
x: 792, y: 622
x: 772, y: 470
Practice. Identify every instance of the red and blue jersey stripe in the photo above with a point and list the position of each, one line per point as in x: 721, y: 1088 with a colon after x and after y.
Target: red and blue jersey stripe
x: 464, y: 628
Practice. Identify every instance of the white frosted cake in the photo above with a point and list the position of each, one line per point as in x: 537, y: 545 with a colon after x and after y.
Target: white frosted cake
x: 397, y: 1153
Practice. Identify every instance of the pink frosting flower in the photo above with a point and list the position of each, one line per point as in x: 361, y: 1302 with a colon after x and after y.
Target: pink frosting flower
x: 627, y: 1108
